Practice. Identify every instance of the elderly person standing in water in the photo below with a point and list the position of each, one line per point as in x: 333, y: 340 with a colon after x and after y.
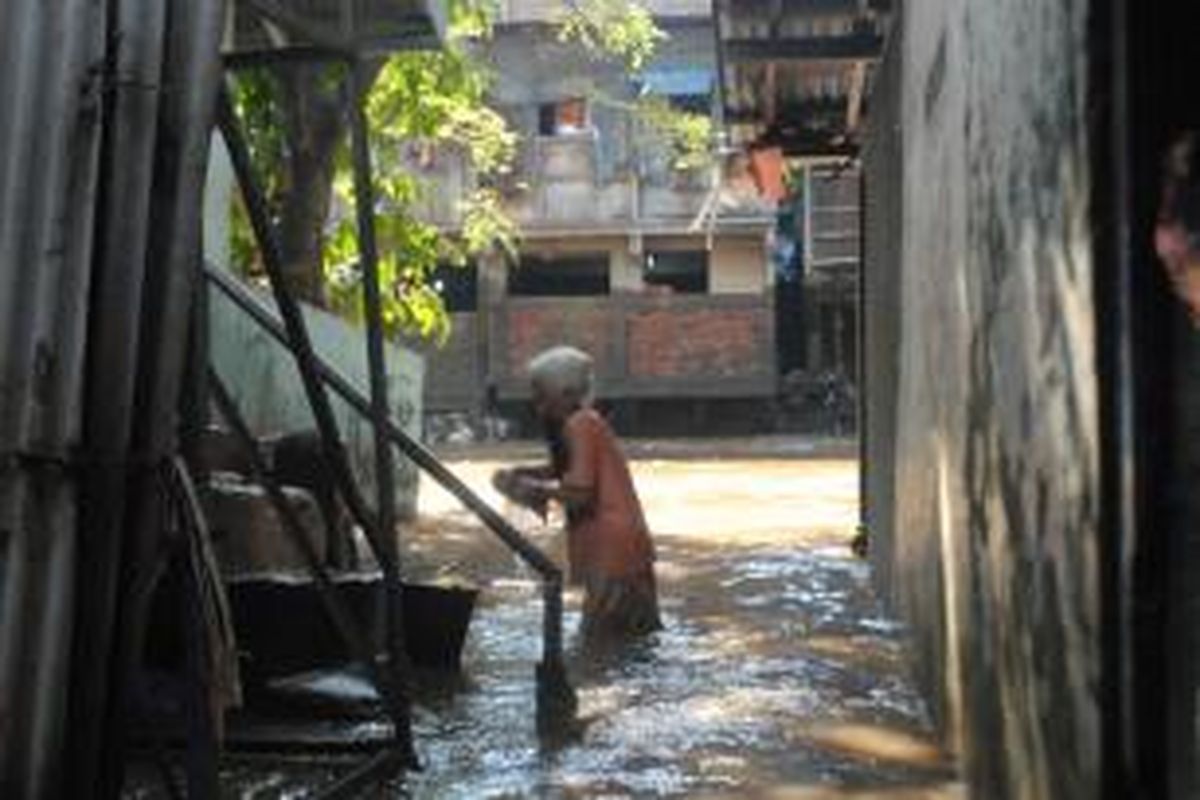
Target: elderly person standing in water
x: 608, y: 543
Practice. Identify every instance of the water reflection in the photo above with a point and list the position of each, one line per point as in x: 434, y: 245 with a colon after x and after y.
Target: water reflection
x: 777, y: 673
x: 776, y: 666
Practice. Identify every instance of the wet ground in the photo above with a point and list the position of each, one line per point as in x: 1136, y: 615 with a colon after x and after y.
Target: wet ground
x: 777, y: 674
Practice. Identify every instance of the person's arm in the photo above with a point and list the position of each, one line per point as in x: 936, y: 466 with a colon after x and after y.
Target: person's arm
x: 576, y: 490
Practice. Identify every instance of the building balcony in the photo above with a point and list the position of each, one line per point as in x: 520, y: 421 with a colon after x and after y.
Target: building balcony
x: 560, y: 188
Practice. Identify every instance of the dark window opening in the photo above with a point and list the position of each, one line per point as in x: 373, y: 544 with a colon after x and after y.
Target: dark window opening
x: 563, y: 116
x: 574, y: 275
x: 458, y: 286
x: 684, y: 271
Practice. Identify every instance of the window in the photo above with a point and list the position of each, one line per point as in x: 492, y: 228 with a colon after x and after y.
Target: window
x: 683, y: 271
x: 458, y: 286
x: 574, y: 275
x: 562, y: 116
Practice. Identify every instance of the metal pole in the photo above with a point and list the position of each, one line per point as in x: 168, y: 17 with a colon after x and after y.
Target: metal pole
x: 299, y: 343
x: 862, y: 536
x: 385, y: 482
x: 192, y: 67
x: 202, y: 753
x: 552, y: 682
x: 296, y: 337
x: 116, y: 307
x: 417, y: 452
x: 341, y: 617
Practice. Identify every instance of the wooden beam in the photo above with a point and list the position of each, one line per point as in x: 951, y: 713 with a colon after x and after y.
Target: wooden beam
x: 855, y: 47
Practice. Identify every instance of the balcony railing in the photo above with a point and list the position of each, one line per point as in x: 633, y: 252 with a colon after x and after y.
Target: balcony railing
x: 560, y: 185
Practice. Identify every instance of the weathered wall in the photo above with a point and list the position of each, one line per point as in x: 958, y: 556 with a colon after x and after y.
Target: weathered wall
x: 994, y: 557
x: 883, y: 187
x: 264, y: 380
x: 454, y: 369
x: 738, y: 266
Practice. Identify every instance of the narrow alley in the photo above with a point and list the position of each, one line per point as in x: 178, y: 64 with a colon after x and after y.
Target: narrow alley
x: 778, y: 673
x: 890, y: 310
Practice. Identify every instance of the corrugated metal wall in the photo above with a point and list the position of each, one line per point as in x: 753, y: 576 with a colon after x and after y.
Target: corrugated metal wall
x: 50, y: 133
x: 105, y: 112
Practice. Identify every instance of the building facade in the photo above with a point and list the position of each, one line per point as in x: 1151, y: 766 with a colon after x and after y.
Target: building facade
x: 662, y: 274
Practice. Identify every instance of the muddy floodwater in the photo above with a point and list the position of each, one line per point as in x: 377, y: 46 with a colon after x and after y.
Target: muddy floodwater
x: 778, y: 674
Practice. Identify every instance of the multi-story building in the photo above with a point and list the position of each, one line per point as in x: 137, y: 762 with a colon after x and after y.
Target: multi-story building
x: 662, y: 274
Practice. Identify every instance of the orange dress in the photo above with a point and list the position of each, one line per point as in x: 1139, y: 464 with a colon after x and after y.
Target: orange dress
x: 608, y: 543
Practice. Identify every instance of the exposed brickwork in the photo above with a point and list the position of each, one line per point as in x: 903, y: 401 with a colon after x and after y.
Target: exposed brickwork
x: 531, y: 330
x: 668, y: 343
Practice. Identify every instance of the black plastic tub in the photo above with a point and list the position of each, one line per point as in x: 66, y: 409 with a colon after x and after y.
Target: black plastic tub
x: 282, y: 626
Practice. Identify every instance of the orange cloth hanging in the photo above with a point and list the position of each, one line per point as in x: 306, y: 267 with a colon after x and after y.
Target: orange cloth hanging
x: 767, y: 166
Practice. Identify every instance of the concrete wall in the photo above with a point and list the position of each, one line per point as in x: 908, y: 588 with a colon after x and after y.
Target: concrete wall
x: 994, y: 557
x: 267, y: 387
x: 610, y: 176
x: 738, y: 266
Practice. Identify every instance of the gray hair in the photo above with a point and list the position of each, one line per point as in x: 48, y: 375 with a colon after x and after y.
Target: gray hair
x: 563, y: 371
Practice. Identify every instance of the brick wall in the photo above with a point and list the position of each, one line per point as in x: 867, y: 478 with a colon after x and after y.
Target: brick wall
x: 529, y: 327
x: 698, y: 346
x: 702, y: 343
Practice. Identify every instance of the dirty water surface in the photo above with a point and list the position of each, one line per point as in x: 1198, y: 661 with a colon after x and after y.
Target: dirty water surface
x: 777, y: 674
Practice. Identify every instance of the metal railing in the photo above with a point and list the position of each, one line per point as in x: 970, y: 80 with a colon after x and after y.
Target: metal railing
x: 551, y: 669
x: 555, y: 697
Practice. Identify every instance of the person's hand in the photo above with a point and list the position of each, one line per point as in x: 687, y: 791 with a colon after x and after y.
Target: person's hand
x: 503, y: 480
x: 521, y: 490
